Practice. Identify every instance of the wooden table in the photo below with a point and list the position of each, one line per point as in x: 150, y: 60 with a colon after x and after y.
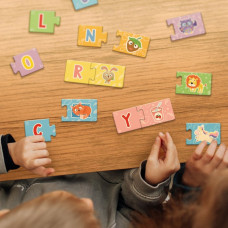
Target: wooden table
x: 89, y: 147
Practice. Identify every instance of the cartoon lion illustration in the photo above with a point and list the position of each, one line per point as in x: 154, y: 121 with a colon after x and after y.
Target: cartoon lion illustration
x: 193, y: 82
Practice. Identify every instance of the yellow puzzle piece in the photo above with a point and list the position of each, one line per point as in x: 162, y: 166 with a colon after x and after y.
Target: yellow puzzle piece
x: 108, y: 75
x: 91, y: 36
x: 132, y: 44
x: 79, y: 72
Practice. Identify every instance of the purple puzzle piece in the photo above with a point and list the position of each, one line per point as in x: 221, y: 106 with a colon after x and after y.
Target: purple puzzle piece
x: 27, y: 62
x: 187, y: 26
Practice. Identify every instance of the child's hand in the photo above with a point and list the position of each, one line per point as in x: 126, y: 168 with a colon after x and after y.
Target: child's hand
x: 200, y: 166
x: 159, y: 169
x: 30, y: 153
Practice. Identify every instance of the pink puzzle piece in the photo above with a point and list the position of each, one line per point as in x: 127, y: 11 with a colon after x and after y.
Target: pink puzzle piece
x: 27, y: 62
x: 128, y: 119
x: 187, y: 26
x: 156, y: 112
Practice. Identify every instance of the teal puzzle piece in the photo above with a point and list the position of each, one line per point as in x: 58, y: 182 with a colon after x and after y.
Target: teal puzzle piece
x: 40, y: 127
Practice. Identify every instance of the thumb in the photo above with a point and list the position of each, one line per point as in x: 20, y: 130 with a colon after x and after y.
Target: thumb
x: 154, y: 154
x: 42, y: 171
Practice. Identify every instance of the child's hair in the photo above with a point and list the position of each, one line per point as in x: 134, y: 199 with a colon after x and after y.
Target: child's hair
x: 210, y: 210
x: 58, y: 210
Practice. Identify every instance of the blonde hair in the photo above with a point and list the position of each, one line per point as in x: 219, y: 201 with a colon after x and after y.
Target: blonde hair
x: 53, y: 210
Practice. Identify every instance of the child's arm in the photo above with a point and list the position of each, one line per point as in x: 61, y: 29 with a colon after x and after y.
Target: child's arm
x: 29, y: 152
x: 148, y: 186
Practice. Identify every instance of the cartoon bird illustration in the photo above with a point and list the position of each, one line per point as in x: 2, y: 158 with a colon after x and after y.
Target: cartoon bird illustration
x: 108, y: 76
x: 133, y: 44
x: 187, y: 26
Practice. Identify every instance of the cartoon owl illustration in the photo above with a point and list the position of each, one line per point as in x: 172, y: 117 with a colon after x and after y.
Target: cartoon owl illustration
x: 187, y: 26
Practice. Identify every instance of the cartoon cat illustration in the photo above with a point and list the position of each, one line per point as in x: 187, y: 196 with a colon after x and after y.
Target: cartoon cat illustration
x: 81, y: 110
x: 187, y: 26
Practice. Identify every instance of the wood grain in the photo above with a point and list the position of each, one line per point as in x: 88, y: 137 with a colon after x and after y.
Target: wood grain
x: 88, y: 147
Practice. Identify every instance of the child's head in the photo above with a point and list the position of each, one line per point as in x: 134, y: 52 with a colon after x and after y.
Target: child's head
x: 57, y: 209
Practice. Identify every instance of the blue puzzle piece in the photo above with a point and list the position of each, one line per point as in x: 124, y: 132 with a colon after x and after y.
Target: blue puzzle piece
x: 204, y: 132
x: 40, y: 127
x: 81, y: 110
x: 80, y: 4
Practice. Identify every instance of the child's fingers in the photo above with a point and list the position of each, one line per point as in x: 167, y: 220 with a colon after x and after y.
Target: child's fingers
x: 224, y: 163
x: 199, y: 151
x: 40, y: 162
x: 207, y: 157
x: 42, y: 171
x: 39, y: 154
x: 218, y: 157
x: 155, y: 149
x: 35, y: 138
x: 39, y: 146
x: 171, y: 153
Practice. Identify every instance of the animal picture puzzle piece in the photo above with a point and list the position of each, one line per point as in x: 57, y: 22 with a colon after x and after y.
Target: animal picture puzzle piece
x: 194, y: 83
x: 157, y: 112
x: 143, y: 115
x: 204, y: 132
x: 80, y: 110
x: 40, y: 127
x: 132, y: 44
x: 108, y: 75
x: 79, y: 72
x: 27, y: 62
x: 91, y: 36
x: 43, y: 21
x: 81, y: 4
x: 128, y: 119
x: 187, y: 26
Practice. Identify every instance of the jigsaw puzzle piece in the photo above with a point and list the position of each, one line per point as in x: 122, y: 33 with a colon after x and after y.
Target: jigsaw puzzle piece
x: 43, y: 21
x: 187, y: 26
x: 27, y: 62
x: 79, y: 72
x: 91, y: 36
x: 80, y: 110
x: 40, y: 127
x: 108, y: 75
x: 156, y: 112
x: 194, y: 83
x: 204, y: 132
x: 132, y: 44
x: 128, y: 119
x: 81, y: 4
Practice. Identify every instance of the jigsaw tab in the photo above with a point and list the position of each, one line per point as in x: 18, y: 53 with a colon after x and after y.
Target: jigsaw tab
x: 27, y: 62
x: 80, y: 110
x: 91, y: 36
x: 40, y: 127
x: 81, y: 4
x: 79, y: 72
x: 187, y: 26
x: 132, y: 44
x: 108, y: 75
x: 203, y: 132
x: 194, y: 83
x: 43, y: 21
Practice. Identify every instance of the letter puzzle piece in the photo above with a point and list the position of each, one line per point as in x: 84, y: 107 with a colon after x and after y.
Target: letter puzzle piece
x: 91, y: 36
x: 132, y: 44
x: 43, y: 21
x: 108, y: 75
x: 143, y: 115
x: 27, y: 62
x: 94, y: 73
x: 40, y: 127
x: 194, y: 83
x: 80, y: 110
x: 187, y: 26
x: 204, y: 132
x: 79, y: 72
x: 80, y: 4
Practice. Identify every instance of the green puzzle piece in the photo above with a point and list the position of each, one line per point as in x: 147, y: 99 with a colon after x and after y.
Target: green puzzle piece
x: 43, y: 21
x: 194, y: 83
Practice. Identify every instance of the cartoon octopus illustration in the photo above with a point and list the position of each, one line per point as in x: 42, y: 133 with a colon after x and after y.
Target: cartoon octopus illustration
x: 187, y: 26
